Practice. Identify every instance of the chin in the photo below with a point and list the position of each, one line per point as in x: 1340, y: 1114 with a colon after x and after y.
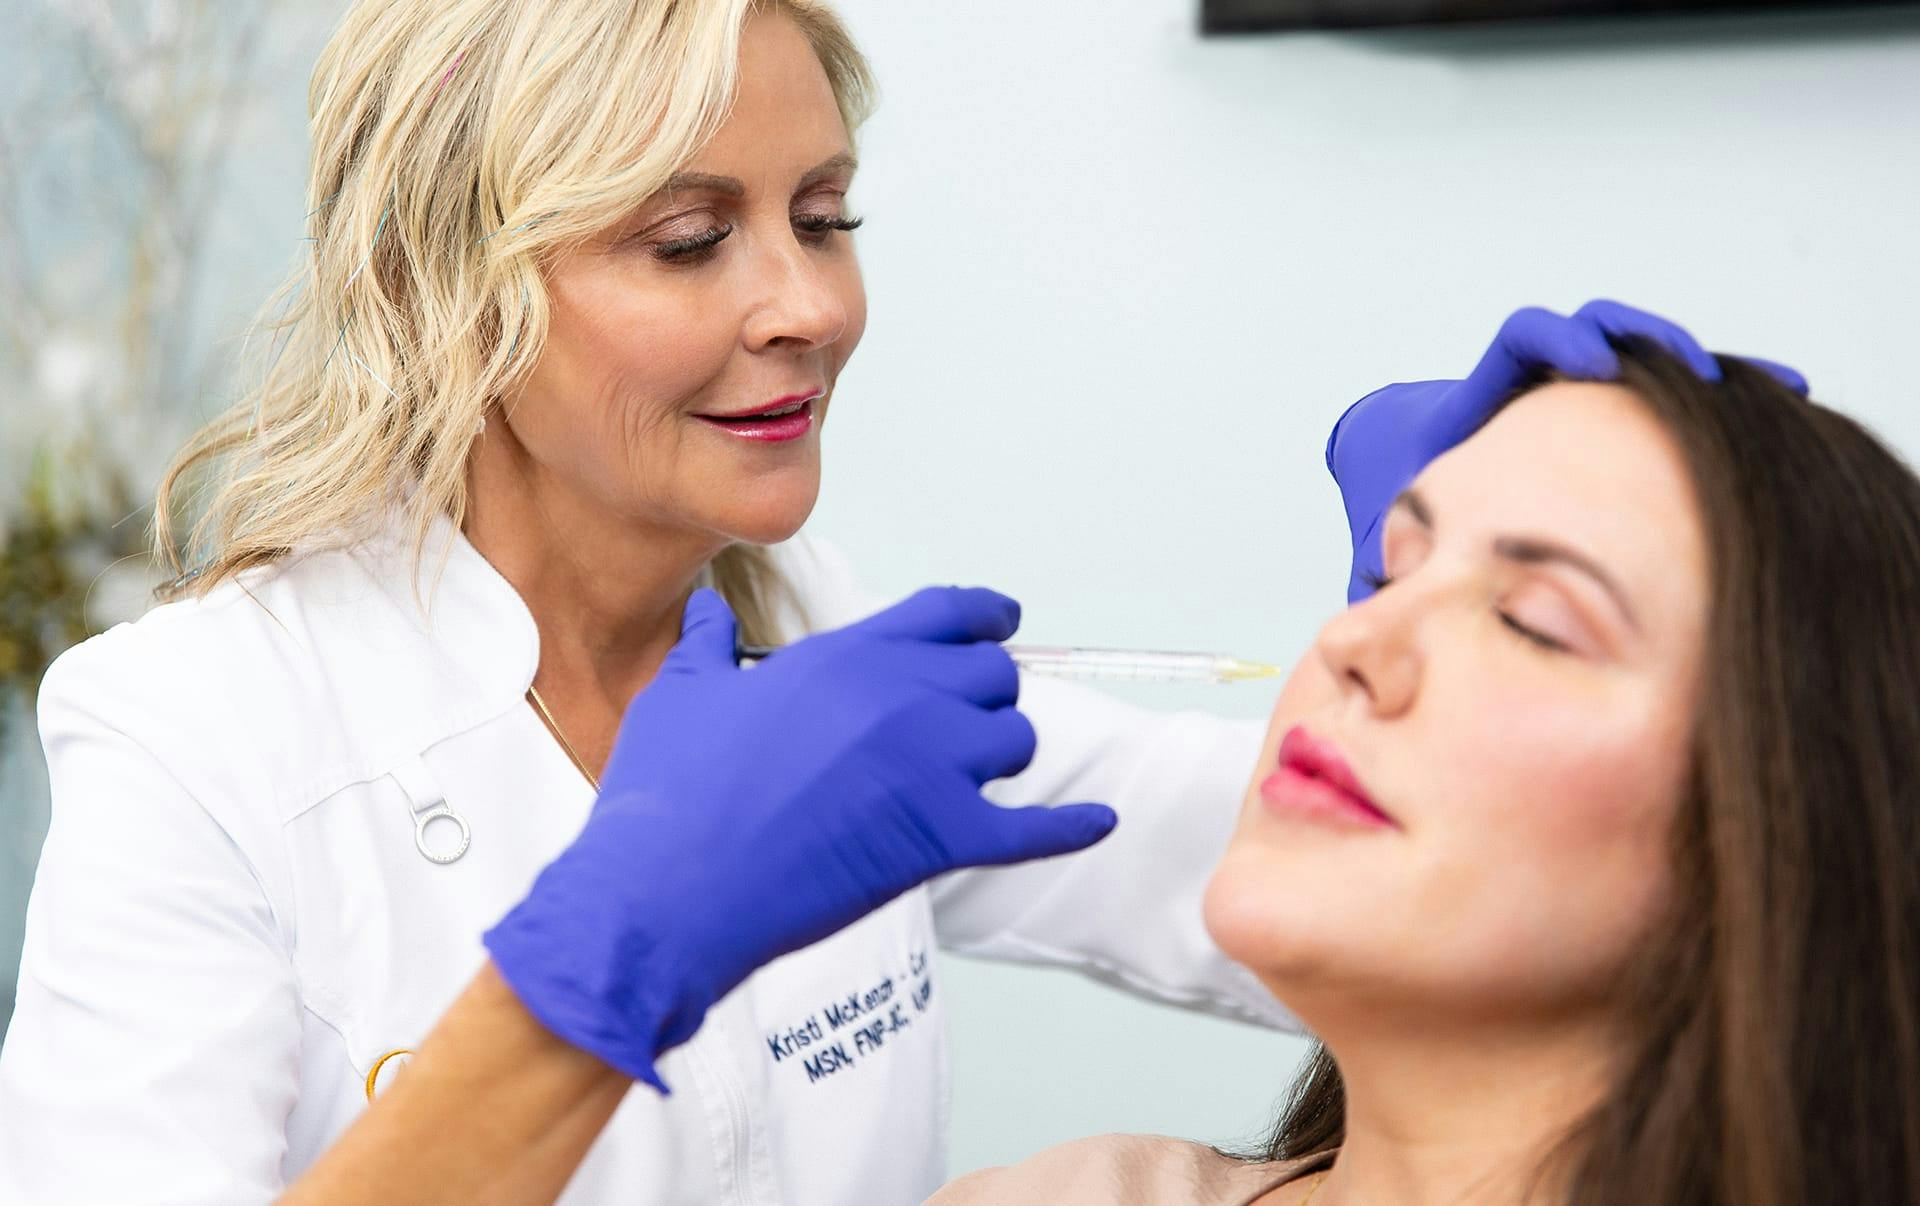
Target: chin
x: 768, y: 512
x: 1264, y: 919
x: 1235, y: 911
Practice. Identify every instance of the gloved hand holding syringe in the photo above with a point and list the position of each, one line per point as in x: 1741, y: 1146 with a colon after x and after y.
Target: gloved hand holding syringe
x: 1109, y: 665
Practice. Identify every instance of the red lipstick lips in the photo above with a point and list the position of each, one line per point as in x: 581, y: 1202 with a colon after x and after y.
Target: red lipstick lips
x: 1314, y: 781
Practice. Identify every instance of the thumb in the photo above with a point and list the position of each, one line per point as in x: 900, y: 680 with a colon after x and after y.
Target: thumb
x: 707, y: 633
x: 1038, y: 831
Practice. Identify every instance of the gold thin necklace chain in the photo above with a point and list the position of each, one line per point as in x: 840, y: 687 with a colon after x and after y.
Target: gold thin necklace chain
x: 1321, y: 1179
x: 553, y: 726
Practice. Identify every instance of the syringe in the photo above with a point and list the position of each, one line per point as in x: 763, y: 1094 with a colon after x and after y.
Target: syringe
x: 1111, y: 665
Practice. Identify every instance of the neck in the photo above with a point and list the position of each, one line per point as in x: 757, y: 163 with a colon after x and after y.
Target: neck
x: 606, y: 590
x: 1441, y: 1113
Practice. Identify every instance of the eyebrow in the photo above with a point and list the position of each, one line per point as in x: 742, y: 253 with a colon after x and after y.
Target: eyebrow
x: 732, y: 187
x: 1532, y: 550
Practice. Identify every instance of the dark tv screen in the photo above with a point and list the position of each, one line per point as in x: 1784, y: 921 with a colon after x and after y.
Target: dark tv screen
x: 1232, y: 16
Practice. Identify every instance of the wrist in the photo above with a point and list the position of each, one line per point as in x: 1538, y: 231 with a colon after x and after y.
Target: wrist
x: 622, y: 997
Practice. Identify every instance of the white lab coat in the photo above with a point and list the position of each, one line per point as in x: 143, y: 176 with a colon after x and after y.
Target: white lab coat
x: 231, y: 921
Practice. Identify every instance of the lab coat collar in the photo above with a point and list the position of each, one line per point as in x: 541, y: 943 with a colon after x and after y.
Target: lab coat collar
x: 442, y: 645
x: 414, y: 650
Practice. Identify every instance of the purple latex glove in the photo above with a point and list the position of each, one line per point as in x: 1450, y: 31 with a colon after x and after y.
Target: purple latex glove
x: 1385, y: 439
x: 748, y: 813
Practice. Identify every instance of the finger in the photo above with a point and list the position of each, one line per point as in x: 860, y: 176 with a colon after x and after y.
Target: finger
x: 981, y: 673
x: 1535, y: 340
x: 1384, y: 410
x: 1340, y: 425
x: 1531, y: 342
x: 1784, y: 374
x: 996, y: 744
x: 707, y: 633
x: 949, y: 614
x: 1620, y: 321
x: 1018, y: 835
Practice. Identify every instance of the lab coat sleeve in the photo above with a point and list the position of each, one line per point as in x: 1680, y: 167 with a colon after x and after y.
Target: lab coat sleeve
x: 1128, y: 910
x: 152, y: 1058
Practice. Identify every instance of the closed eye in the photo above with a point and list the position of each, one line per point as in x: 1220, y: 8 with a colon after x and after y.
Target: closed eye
x: 821, y: 227
x: 1533, y: 636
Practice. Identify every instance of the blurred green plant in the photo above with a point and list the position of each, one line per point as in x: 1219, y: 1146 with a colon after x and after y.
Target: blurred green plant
x: 50, y: 558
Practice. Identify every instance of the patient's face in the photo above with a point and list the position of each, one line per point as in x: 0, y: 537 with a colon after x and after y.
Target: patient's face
x: 1517, y: 703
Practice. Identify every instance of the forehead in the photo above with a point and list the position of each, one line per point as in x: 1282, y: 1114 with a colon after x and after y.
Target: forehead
x: 784, y: 108
x: 1587, y: 465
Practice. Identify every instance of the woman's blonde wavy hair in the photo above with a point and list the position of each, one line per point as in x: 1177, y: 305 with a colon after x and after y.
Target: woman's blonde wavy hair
x: 458, y: 147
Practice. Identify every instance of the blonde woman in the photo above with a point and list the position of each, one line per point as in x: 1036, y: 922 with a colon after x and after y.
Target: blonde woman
x: 352, y: 895
x: 580, y: 286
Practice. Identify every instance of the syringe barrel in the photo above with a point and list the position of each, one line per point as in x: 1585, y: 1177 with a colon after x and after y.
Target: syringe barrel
x: 1105, y: 665
x: 1117, y: 665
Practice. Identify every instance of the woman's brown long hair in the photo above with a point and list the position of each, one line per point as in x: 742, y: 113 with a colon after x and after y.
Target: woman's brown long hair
x: 1776, y: 1014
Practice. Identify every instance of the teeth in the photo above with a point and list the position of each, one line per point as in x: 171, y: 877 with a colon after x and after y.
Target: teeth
x: 784, y: 411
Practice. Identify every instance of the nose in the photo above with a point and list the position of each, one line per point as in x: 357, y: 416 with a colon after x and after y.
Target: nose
x: 802, y: 303
x: 1372, y: 651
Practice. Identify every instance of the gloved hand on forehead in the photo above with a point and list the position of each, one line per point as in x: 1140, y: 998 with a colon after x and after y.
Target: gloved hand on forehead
x: 1385, y: 439
x: 746, y: 813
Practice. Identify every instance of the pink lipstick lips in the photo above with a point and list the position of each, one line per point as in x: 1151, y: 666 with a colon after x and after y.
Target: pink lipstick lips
x: 1314, y: 781
x: 779, y: 421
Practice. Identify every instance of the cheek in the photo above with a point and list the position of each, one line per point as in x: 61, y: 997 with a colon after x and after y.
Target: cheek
x: 1547, y: 851
x: 1563, y: 767
x: 620, y: 364
x: 628, y: 348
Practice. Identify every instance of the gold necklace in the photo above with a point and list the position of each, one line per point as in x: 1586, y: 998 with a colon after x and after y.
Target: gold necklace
x: 553, y: 726
x: 1314, y: 1192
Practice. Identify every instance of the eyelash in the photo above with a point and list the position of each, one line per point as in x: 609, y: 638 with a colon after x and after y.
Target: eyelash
x: 1379, y: 582
x: 1532, y: 637
x: 819, y: 224
x: 693, y: 247
x: 697, y: 248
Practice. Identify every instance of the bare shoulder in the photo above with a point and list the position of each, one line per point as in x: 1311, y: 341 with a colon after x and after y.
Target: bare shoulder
x: 1117, y: 1170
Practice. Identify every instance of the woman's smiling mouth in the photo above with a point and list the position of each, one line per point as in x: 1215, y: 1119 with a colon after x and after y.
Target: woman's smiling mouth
x: 779, y: 421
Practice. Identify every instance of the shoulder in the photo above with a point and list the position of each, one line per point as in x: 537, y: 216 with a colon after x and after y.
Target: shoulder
x: 242, y: 630
x: 295, y: 679
x: 177, y: 658
x: 1115, y: 1170
x: 188, y: 678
